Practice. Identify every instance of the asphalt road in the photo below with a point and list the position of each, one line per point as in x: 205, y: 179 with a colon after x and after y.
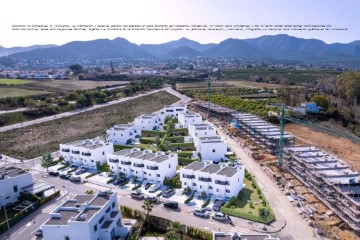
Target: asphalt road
x: 77, y: 111
x: 296, y: 226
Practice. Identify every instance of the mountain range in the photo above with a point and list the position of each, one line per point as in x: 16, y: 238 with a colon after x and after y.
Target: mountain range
x: 8, y: 51
x: 281, y: 47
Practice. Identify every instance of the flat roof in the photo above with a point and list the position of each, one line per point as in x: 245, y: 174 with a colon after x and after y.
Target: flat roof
x: 135, y: 154
x: 195, y: 166
x: 160, y: 158
x: 99, y: 201
x: 12, y: 172
x: 123, y: 152
x: 122, y: 127
x: 147, y: 116
x: 65, y: 216
x: 147, y: 156
x: 88, y: 213
x: 228, y: 171
x: 211, y: 168
x: 78, y: 200
x: 96, y: 146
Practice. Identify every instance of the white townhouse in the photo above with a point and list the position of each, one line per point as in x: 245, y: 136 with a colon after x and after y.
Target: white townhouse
x: 145, y: 165
x: 189, y: 118
x: 86, y: 152
x: 90, y: 217
x: 217, y: 180
x: 123, y: 134
x: 12, y: 180
x: 173, y: 110
x: 211, y: 148
x: 150, y: 122
x: 202, y: 130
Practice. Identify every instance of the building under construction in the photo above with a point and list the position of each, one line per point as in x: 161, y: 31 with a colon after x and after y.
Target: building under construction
x: 261, y: 132
x: 329, y: 178
x: 213, y: 109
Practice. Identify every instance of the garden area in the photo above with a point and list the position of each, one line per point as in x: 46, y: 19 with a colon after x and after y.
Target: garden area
x: 250, y: 203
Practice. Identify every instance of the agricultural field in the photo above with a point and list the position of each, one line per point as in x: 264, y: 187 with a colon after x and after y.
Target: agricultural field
x: 297, y: 77
x: 8, y: 81
x: 35, y: 140
x: 345, y: 149
x: 19, y: 92
x: 77, y: 84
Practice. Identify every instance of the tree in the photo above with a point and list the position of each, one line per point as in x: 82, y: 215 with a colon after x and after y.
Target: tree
x: 348, y: 86
x: 166, y: 145
x: 122, y: 175
x: 83, y: 101
x: 203, y: 194
x: 147, y: 206
x: 171, y: 235
x: 232, y: 161
x: 89, y: 192
x: 105, y: 135
x: 29, y: 102
x: 178, y: 229
x: 46, y: 161
x: 187, y: 190
x: 263, y: 214
x: 76, y: 69
x: 321, y: 101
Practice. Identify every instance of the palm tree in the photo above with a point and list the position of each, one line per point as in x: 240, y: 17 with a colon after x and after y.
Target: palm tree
x: 263, y: 214
x: 147, y: 206
x: 166, y: 145
x: 89, y: 192
x: 232, y: 160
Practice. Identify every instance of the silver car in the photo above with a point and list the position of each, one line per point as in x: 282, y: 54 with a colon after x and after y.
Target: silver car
x: 219, y: 216
x: 201, y: 213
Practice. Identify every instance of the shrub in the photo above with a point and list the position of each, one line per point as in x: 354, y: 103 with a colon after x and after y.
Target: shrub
x: 206, y: 203
x: 90, y: 175
x: 159, y: 194
x: 189, y: 199
x: 185, y: 161
x: 136, y: 187
x: 184, y: 154
x: 147, y: 141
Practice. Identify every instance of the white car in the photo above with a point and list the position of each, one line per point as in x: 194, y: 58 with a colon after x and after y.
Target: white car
x: 154, y: 187
x: 219, y: 216
x: 201, y: 213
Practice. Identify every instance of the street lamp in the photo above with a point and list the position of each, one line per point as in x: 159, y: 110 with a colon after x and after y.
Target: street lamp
x: 7, y: 220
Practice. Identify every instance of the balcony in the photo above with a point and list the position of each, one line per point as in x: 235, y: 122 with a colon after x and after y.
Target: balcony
x: 152, y: 167
x: 221, y: 182
x: 139, y: 165
x: 65, y: 150
x: 75, y: 152
x: 114, y: 160
x: 86, y: 154
x: 125, y: 163
x: 204, y: 179
x: 188, y: 176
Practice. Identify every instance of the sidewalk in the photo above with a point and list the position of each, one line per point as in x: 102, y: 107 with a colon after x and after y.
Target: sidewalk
x: 273, y: 227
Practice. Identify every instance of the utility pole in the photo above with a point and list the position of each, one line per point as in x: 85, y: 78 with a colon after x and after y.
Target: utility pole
x: 281, y: 140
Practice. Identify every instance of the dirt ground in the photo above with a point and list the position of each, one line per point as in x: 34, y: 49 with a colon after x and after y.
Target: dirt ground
x: 345, y: 149
x: 35, y: 140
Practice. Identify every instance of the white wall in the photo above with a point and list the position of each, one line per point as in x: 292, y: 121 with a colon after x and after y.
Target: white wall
x: 7, y: 187
x: 214, y: 151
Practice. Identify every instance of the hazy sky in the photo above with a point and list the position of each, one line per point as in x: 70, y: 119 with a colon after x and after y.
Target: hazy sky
x: 338, y: 13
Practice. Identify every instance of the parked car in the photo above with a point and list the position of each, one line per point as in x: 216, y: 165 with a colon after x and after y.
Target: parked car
x: 137, y: 195
x: 80, y: 171
x: 217, y: 205
x: 219, y: 216
x: 171, y: 204
x: 75, y: 179
x: 73, y: 167
x: 119, y: 181
x: 147, y: 185
x: 151, y: 199
x: 65, y: 175
x: 201, y: 213
x: 168, y: 192
x: 154, y: 187
x: 39, y: 232
x: 54, y: 173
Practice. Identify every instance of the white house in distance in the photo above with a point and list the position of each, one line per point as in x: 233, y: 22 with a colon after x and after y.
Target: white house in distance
x: 150, y: 122
x: 89, y: 217
x: 124, y: 134
x: 211, y: 148
x: 146, y: 165
x: 201, y: 130
x: 12, y: 180
x: 86, y: 152
x: 189, y: 118
x: 173, y: 110
x: 218, y: 180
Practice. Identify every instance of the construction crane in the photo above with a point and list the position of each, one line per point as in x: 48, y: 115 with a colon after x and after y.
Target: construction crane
x: 312, y: 124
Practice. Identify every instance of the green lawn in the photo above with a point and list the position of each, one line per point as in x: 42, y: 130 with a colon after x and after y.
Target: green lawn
x: 8, y: 81
x: 17, y: 92
x: 147, y: 146
x: 247, y: 204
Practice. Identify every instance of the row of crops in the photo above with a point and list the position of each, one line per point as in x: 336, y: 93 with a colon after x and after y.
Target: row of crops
x: 297, y: 77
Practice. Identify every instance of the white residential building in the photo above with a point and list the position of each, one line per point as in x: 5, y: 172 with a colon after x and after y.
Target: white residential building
x: 211, y: 148
x: 218, y: 180
x: 90, y: 217
x: 12, y: 180
x: 124, y: 134
x: 173, y: 110
x: 146, y: 165
x: 189, y: 118
x: 150, y: 122
x: 86, y: 152
x: 202, y: 130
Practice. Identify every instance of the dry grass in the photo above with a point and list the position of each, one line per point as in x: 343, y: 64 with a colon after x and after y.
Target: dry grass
x: 77, y: 84
x: 248, y: 84
x: 38, y: 139
x: 18, y: 92
x: 345, y: 149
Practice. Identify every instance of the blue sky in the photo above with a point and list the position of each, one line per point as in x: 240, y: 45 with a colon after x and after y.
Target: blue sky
x: 338, y: 13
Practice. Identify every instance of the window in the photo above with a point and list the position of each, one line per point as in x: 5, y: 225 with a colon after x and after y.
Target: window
x: 131, y: 170
x: 158, y: 175
x: 169, y: 165
x: 194, y: 184
x: 108, y: 210
x: 145, y: 173
x: 95, y: 228
x: 113, y: 204
x: 103, y: 153
x: 200, y: 187
x: 213, y: 150
x: 149, y: 175
x: 217, y: 190
x: 67, y: 238
x: 15, y: 188
x: 114, y: 134
x: 185, y: 183
x: 227, y: 190
x: 210, y: 187
x: 101, y: 219
x: 92, y: 160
